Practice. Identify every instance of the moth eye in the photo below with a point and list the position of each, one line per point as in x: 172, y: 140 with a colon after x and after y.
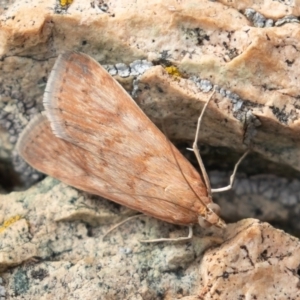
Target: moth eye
x: 203, y: 223
x: 214, y: 207
x: 211, y: 217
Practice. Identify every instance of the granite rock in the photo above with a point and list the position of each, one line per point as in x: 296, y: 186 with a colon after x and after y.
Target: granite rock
x: 169, y: 55
x: 52, y: 247
x: 209, y: 43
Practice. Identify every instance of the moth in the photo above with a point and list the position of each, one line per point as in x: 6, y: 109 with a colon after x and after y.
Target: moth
x: 94, y: 137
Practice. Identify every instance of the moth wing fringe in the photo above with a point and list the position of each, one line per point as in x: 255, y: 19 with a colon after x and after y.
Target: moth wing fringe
x: 49, y: 98
x: 27, y: 131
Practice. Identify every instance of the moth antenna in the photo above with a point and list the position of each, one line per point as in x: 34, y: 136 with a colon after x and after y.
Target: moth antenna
x: 202, y: 167
x: 196, y: 148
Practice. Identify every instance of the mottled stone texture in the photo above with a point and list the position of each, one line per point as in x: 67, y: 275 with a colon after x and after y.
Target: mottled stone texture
x: 255, y: 69
x: 52, y: 234
x: 169, y: 55
x: 255, y: 262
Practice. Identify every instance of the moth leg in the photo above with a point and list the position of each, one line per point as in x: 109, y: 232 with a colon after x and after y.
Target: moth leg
x: 184, y: 238
x: 232, y: 177
x: 119, y: 224
x: 190, y: 235
x: 196, y: 148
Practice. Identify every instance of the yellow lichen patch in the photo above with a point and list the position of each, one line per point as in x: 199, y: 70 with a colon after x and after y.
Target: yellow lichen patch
x: 172, y: 70
x: 9, y: 221
x: 65, y: 2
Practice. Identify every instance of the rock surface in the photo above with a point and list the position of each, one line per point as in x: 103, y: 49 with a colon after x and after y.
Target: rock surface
x: 169, y: 55
x: 210, y: 43
x: 52, y: 236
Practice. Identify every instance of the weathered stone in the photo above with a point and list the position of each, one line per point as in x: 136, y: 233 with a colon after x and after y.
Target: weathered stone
x: 213, y: 41
x: 52, y: 236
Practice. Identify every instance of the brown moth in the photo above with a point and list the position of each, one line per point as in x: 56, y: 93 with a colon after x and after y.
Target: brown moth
x: 95, y: 137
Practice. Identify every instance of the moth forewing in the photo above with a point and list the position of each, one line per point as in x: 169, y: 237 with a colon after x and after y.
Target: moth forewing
x: 101, y: 142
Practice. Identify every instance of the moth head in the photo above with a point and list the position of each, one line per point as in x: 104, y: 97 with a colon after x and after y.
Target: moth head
x: 211, y: 217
